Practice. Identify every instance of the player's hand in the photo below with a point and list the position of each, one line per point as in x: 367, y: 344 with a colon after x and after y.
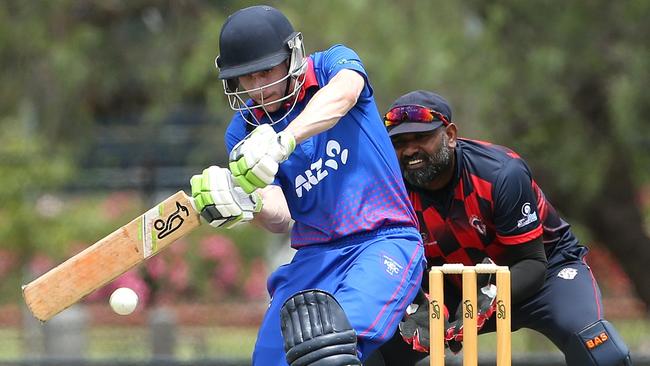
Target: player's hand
x: 220, y: 201
x: 255, y: 160
x: 486, y: 306
x: 414, y: 327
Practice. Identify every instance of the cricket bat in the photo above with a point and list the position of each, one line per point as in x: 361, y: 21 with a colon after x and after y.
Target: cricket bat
x: 110, y: 257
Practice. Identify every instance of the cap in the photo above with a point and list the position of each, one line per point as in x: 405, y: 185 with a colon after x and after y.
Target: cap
x: 421, y: 98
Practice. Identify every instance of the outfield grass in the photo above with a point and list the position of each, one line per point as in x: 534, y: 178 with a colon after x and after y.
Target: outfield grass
x: 636, y: 334
x: 231, y: 342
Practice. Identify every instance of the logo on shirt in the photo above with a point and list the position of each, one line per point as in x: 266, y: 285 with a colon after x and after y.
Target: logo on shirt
x: 345, y: 61
x: 529, y: 215
x: 392, y: 267
x: 568, y: 273
x: 477, y: 224
x: 320, y: 169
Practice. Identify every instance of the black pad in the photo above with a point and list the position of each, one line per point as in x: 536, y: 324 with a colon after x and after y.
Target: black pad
x: 599, y: 344
x: 316, y: 331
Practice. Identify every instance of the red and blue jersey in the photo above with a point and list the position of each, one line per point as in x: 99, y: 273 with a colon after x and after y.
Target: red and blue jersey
x: 343, y: 181
x: 491, y: 203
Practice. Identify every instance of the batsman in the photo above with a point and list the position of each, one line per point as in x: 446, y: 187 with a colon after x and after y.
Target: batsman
x: 309, y: 153
x: 477, y: 202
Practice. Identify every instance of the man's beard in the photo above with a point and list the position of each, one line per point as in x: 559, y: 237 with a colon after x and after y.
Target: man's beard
x: 434, y: 166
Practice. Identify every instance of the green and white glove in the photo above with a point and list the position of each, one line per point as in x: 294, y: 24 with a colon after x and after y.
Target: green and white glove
x: 255, y: 160
x: 220, y: 201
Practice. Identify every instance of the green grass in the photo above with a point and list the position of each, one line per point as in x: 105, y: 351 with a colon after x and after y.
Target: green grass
x: 10, y: 346
x: 229, y: 342
x: 194, y: 342
x: 636, y: 334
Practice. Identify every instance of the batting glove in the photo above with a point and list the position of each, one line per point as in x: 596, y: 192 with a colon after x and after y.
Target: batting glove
x: 220, y: 201
x: 255, y: 160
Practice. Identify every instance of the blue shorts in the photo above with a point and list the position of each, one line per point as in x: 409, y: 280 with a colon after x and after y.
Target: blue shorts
x: 374, y: 277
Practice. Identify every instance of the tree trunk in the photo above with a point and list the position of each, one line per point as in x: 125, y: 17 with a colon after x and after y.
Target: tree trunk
x: 615, y: 217
x: 616, y: 220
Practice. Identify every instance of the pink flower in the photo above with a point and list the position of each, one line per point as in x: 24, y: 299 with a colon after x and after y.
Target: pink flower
x: 179, y: 248
x: 255, y: 285
x: 117, y: 204
x: 8, y: 261
x: 156, y: 267
x: 76, y: 248
x: 40, y: 264
x: 227, y: 274
x: 218, y: 248
x: 179, y: 275
x: 134, y: 281
x: 130, y: 279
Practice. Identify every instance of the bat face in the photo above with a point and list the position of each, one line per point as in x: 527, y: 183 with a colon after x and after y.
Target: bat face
x: 110, y: 257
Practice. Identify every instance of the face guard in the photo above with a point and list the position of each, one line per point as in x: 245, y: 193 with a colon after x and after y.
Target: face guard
x: 240, y: 101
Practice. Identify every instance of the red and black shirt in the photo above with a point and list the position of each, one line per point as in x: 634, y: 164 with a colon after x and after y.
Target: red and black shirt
x: 491, y: 203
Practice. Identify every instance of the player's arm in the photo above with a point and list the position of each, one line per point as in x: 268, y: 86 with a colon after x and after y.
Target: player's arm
x: 328, y: 105
x: 254, y: 161
x: 527, y: 262
x: 519, y: 229
x: 274, y: 215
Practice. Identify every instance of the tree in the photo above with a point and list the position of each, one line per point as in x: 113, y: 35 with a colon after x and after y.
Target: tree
x: 561, y: 83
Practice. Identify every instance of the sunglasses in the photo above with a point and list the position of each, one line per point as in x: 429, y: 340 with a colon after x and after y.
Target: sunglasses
x: 413, y: 113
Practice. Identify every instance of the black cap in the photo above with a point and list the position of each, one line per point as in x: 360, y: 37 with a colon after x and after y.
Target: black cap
x: 422, y: 98
x: 253, y: 39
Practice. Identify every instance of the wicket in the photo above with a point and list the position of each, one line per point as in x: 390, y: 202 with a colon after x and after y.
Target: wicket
x: 470, y: 334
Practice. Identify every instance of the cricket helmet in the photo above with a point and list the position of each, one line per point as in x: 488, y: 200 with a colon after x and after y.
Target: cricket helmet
x: 254, y: 39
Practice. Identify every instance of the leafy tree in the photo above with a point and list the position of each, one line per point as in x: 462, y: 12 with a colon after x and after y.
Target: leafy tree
x: 561, y: 83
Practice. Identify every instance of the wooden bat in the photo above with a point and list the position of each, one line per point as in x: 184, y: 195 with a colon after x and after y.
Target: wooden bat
x: 110, y: 257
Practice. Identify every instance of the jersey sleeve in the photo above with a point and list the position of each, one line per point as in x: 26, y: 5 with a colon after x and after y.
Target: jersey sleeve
x: 339, y: 57
x: 235, y: 132
x: 515, y: 205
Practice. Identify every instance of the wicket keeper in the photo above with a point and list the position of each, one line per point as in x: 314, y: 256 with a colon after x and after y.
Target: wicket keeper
x: 476, y: 200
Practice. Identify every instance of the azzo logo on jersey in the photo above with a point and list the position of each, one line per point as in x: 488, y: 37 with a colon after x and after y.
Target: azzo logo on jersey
x: 316, y: 172
x: 529, y: 214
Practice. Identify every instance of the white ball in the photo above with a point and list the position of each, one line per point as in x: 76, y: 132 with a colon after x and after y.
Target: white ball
x: 123, y: 301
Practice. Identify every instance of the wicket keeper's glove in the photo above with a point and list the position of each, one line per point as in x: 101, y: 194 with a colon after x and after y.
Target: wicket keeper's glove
x: 255, y: 160
x: 414, y: 327
x: 220, y: 201
x: 486, y: 305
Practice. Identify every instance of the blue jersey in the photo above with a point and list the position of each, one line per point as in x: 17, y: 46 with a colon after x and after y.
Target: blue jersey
x: 345, y: 180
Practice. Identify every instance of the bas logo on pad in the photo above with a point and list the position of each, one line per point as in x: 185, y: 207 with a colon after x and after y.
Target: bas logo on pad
x: 597, y: 340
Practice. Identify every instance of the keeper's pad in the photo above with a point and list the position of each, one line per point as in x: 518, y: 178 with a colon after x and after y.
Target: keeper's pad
x: 316, y: 331
x: 599, y: 344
